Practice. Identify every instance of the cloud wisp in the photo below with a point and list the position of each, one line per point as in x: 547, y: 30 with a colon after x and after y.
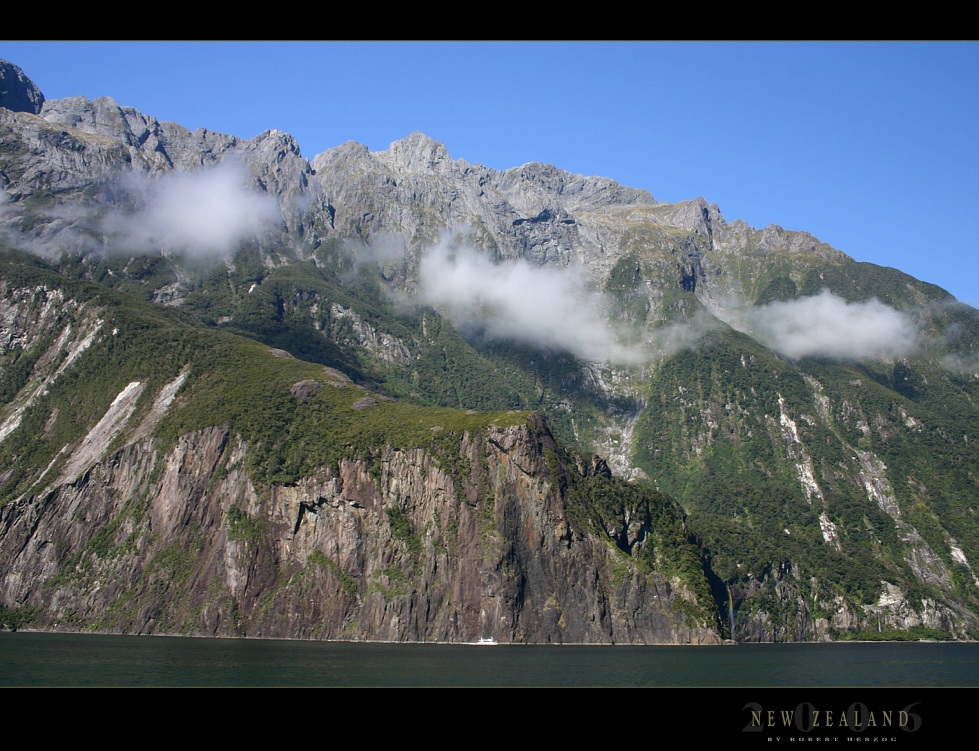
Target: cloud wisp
x: 552, y: 307
x: 543, y: 306
x: 205, y: 214
x: 826, y: 325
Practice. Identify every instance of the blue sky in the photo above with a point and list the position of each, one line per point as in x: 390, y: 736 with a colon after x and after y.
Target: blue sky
x: 871, y: 146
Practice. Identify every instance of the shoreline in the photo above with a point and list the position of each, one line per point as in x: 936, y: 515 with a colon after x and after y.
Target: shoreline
x: 725, y: 643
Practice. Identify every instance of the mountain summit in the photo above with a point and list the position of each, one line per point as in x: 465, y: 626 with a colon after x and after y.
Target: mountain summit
x: 17, y: 92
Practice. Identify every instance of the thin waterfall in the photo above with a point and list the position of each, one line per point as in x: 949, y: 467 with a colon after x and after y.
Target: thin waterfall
x: 730, y: 609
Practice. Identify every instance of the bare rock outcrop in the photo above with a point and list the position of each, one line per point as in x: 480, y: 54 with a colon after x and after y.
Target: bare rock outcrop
x: 477, y: 541
x: 18, y: 93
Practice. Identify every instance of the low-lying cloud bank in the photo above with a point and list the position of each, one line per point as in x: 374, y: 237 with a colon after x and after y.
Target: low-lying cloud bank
x: 826, y: 325
x: 539, y: 305
x: 205, y: 214
x: 552, y: 307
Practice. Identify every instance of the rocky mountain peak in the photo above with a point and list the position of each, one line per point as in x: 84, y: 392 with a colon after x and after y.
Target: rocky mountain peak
x: 351, y: 150
x: 18, y: 93
x: 534, y: 185
x: 419, y: 153
x: 696, y: 215
x: 102, y: 116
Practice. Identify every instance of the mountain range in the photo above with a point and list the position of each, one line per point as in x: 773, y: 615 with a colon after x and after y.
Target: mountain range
x: 398, y: 396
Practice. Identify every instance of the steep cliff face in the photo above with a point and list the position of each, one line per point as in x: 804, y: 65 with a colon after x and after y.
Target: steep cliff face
x: 407, y: 549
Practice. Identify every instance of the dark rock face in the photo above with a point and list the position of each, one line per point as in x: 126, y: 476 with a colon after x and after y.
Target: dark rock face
x: 17, y: 92
x: 151, y: 543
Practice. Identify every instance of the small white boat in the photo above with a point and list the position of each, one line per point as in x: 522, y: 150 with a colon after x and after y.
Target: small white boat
x: 485, y: 641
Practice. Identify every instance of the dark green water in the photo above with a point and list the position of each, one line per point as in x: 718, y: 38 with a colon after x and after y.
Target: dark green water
x: 77, y: 660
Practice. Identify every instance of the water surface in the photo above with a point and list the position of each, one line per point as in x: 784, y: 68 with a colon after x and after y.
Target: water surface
x: 41, y: 659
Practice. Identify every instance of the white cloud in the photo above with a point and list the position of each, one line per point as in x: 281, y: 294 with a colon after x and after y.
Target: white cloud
x: 543, y: 306
x: 667, y: 340
x: 387, y: 252
x: 205, y: 213
x: 826, y: 325
x: 61, y: 228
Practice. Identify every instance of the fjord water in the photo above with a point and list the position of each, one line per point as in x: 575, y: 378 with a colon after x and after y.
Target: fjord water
x: 78, y: 660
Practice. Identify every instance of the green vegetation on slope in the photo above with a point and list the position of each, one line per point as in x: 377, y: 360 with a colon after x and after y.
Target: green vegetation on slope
x: 825, y: 471
x: 233, y: 381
